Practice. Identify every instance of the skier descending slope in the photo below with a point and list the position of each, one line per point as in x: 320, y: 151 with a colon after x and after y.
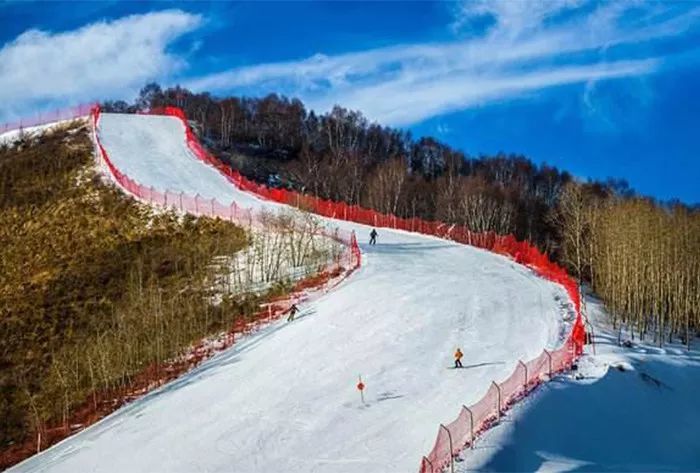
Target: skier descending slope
x: 458, y: 358
x: 292, y: 312
x: 373, y: 237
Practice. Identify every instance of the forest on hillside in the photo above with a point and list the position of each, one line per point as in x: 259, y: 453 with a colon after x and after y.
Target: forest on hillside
x: 642, y: 256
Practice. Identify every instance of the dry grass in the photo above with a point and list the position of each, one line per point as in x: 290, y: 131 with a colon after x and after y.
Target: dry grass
x: 93, y: 286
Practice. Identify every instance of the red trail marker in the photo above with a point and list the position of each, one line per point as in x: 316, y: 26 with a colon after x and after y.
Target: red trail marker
x: 361, y: 388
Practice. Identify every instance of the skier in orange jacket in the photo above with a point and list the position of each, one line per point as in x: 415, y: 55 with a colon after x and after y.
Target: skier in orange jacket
x: 458, y: 358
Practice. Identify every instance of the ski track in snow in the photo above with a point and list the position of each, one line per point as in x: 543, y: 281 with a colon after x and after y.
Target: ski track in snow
x: 285, y: 399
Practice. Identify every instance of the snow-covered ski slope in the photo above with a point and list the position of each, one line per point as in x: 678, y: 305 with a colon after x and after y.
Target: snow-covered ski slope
x: 285, y: 399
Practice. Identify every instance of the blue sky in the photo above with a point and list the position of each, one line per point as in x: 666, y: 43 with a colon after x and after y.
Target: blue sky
x: 601, y: 89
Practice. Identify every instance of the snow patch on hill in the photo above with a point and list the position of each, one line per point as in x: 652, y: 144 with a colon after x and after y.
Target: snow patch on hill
x: 10, y: 137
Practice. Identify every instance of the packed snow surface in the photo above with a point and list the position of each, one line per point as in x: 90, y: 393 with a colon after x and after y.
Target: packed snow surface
x: 285, y: 399
x: 626, y: 408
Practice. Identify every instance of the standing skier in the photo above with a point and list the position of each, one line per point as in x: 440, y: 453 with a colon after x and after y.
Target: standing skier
x: 458, y: 358
x: 373, y: 237
x: 292, y: 312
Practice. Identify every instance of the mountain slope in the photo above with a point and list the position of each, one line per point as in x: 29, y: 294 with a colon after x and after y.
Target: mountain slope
x: 285, y: 398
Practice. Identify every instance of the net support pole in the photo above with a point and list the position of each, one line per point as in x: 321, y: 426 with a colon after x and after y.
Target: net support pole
x: 449, y: 437
x: 471, y: 426
x: 525, y: 368
x: 549, y: 359
x: 498, y: 391
x: 425, y: 460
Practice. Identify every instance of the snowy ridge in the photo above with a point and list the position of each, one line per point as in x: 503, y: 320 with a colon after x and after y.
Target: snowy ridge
x: 285, y: 398
x: 11, y: 130
x: 10, y: 137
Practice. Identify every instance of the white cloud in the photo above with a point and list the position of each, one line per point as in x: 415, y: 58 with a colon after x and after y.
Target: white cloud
x: 104, y: 59
x: 431, y: 96
x: 529, y: 46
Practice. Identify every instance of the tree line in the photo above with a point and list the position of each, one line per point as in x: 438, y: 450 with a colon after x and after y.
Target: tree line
x: 342, y: 156
x: 641, y: 257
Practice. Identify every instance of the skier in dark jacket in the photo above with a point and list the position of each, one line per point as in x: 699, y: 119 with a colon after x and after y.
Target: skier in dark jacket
x: 373, y: 237
x: 292, y: 312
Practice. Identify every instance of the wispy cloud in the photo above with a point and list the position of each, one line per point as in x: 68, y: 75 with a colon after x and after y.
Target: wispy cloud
x: 463, y: 90
x: 100, y: 60
x: 501, y: 49
x: 525, y: 47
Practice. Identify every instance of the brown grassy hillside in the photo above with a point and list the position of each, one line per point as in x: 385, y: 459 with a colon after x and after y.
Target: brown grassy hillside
x: 94, y: 287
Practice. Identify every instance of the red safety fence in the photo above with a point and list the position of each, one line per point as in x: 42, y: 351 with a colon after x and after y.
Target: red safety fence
x: 346, y: 263
x: 471, y: 421
x: 522, y: 252
x: 52, y: 116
